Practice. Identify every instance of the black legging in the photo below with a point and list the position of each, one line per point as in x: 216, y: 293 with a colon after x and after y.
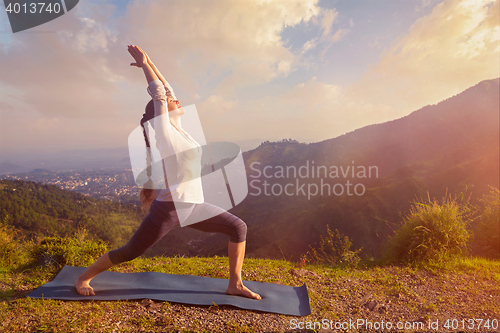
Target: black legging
x: 162, y: 218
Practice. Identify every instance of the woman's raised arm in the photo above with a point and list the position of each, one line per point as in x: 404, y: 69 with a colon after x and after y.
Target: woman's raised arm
x: 169, y: 90
x: 157, y: 72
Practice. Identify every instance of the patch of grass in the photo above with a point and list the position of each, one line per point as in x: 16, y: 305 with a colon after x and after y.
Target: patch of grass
x: 12, y: 251
x: 144, y: 321
x: 164, y: 321
x: 325, y: 292
x: 487, y: 231
x: 74, y: 251
x: 235, y: 327
x: 334, y: 249
x: 479, y: 267
x: 336, y: 293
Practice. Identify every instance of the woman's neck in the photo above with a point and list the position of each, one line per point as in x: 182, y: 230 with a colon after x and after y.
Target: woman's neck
x: 175, y: 117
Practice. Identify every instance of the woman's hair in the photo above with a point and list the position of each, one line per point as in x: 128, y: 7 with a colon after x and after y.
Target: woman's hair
x: 147, y: 195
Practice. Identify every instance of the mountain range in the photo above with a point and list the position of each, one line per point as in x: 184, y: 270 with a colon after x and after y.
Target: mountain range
x: 451, y: 147
x: 370, y: 177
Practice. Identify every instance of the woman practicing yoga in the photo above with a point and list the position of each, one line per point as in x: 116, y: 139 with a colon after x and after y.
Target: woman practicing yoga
x: 186, y: 192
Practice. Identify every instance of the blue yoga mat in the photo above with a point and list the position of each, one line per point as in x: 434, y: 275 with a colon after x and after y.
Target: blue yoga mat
x: 185, y: 289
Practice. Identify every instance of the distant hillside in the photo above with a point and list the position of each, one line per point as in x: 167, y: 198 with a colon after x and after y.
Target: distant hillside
x: 45, y: 210
x: 7, y: 168
x: 439, y: 148
x: 39, y: 210
x: 69, y: 160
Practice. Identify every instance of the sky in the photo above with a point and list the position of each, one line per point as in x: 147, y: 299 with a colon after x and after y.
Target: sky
x: 307, y: 70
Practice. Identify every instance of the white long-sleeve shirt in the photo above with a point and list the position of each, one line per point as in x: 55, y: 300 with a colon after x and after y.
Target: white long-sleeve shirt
x: 180, y: 152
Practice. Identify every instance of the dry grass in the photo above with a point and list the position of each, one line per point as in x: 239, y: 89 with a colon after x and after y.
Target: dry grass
x: 459, y: 289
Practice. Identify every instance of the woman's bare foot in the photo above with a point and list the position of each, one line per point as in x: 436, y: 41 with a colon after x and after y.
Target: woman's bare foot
x: 84, y: 288
x: 240, y: 290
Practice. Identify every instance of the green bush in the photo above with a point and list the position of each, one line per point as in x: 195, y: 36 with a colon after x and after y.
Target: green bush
x: 334, y: 249
x: 487, y: 230
x: 75, y: 251
x: 11, y: 252
x: 432, y: 231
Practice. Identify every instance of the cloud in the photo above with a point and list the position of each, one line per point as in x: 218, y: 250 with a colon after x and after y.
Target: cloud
x: 61, y: 80
x: 309, y: 45
x: 78, y: 72
x: 326, y: 20
x: 73, y: 85
x: 312, y: 94
x: 423, y: 4
x: 216, y: 104
x: 445, y: 52
x: 91, y: 37
x: 62, y: 72
x: 306, y: 111
x: 329, y: 16
x: 240, y: 41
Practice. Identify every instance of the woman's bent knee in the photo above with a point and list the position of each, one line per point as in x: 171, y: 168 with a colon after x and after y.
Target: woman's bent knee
x: 240, y: 231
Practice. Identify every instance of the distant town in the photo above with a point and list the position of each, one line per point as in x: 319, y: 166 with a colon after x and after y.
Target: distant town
x: 104, y: 184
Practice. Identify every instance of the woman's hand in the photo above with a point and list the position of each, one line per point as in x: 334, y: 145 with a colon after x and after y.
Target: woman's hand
x: 142, y: 59
x: 139, y: 56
